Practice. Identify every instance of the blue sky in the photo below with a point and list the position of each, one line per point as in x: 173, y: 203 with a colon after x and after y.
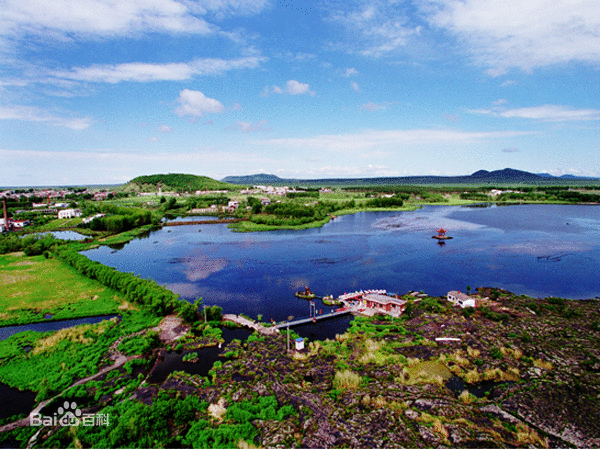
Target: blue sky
x: 101, y: 91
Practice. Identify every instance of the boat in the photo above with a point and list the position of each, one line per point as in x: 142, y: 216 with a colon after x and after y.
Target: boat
x: 306, y: 293
x: 441, y: 235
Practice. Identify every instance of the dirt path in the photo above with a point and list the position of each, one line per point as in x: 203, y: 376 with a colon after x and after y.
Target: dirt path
x: 250, y: 324
x: 171, y: 328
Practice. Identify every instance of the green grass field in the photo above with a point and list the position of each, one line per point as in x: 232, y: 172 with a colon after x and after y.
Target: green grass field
x: 34, y: 286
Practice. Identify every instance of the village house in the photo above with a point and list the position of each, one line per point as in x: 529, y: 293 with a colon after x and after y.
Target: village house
x: 460, y: 299
x: 384, y: 303
x: 69, y: 213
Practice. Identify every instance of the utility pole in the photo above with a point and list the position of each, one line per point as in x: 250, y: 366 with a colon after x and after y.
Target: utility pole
x: 312, y: 312
x: 290, y: 318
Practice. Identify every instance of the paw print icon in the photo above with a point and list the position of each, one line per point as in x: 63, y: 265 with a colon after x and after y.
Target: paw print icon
x: 69, y: 414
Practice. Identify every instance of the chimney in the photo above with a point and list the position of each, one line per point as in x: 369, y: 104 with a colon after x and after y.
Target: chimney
x: 5, y: 214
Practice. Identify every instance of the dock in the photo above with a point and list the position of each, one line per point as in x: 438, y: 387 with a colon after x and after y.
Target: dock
x: 311, y: 319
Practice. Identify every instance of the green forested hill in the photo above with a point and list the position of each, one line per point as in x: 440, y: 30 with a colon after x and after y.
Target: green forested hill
x: 176, y: 182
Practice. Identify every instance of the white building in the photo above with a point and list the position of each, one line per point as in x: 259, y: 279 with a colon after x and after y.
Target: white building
x: 459, y: 299
x: 69, y: 213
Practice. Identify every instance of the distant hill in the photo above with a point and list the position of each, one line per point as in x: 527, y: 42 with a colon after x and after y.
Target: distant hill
x: 505, y: 176
x: 481, y: 177
x: 175, y: 182
x: 258, y: 179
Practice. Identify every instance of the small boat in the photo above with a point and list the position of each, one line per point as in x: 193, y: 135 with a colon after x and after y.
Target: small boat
x: 306, y: 293
x: 441, y: 235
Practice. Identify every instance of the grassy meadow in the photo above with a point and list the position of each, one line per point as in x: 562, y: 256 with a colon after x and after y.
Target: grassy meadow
x: 35, y: 286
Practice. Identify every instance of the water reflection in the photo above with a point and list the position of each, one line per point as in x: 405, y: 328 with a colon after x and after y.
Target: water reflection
x: 526, y: 249
x: 42, y: 327
x: 207, y: 356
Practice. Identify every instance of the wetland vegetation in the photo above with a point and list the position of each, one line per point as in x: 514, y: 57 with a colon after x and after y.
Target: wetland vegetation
x: 382, y: 383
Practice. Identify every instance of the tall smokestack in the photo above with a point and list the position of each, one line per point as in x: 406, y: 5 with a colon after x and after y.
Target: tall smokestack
x: 5, y: 214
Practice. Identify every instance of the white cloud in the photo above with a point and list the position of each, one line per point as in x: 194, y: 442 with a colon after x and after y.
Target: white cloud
x: 350, y: 71
x: 549, y: 113
x: 93, y: 18
x: 165, y: 129
x: 292, y: 87
x: 355, y: 86
x: 370, y: 106
x: 144, y: 72
x: 34, y: 114
x: 376, y: 138
x: 375, y: 28
x: 66, y: 19
x: 510, y: 150
x: 249, y: 127
x: 196, y: 104
x: 523, y: 34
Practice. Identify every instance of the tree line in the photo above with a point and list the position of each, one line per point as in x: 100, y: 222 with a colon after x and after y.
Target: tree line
x: 144, y: 292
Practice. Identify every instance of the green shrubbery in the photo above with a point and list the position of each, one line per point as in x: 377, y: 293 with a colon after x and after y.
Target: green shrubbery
x: 31, y: 245
x: 145, y: 292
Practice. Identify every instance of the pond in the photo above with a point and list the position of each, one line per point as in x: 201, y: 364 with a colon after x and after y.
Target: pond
x: 536, y: 250
x: 65, y: 235
x: 42, y: 327
x: 479, y: 390
x: 187, y: 218
x: 15, y: 401
x: 207, y: 356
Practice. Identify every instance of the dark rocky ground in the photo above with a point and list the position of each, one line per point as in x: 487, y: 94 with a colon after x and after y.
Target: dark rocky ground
x: 383, y: 384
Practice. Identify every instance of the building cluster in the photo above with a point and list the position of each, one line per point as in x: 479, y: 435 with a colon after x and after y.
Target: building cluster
x: 379, y: 301
x: 269, y: 190
x: 497, y: 192
x: 376, y: 301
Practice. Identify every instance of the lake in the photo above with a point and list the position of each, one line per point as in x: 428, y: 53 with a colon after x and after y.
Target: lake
x: 536, y: 250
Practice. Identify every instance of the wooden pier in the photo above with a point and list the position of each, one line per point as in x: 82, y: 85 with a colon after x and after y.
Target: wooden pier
x: 317, y: 317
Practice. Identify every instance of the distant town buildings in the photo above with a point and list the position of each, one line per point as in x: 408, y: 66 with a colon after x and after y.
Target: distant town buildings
x: 269, y: 190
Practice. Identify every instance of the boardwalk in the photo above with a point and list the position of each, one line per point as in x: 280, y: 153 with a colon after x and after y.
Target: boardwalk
x: 339, y: 312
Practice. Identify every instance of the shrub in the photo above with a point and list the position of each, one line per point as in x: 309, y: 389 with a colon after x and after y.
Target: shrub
x: 346, y: 380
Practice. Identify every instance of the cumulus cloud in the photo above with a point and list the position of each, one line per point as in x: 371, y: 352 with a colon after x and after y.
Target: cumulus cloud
x: 292, y: 87
x: 165, y: 129
x: 196, y: 104
x: 510, y: 150
x: 523, y: 34
x: 355, y: 86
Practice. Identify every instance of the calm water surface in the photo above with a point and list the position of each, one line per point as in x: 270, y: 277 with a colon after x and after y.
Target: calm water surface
x: 537, y: 250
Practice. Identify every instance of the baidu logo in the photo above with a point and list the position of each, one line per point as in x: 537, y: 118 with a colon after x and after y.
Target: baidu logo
x: 68, y: 415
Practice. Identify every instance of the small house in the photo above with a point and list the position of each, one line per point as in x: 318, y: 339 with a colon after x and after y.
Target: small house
x: 384, y: 303
x: 460, y: 299
x: 69, y: 213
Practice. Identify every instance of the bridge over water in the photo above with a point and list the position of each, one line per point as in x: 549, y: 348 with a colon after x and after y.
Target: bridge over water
x: 315, y: 318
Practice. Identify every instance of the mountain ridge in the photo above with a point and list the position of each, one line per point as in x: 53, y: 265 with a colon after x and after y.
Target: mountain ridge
x: 504, y: 176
